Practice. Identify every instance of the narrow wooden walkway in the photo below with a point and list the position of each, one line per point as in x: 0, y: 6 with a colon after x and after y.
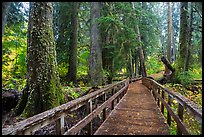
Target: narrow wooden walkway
x: 135, y: 114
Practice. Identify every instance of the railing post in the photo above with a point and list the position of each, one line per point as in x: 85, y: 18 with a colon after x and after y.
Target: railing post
x: 168, y: 114
x: 96, y: 102
x: 89, y: 110
x: 153, y: 92
x: 158, y: 97
x: 104, y: 110
x: 118, y: 96
x: 112, y: 103
x: 60, y: 125
x: 180, y: 114
x: 162, y: 105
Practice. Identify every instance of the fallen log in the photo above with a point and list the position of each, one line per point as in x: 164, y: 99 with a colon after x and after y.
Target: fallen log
x: 169, y: 77
x: 167, y: 63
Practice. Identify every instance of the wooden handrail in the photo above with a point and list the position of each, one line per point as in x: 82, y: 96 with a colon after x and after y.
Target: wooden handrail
x: 57, y: 114
x: 183, y: 102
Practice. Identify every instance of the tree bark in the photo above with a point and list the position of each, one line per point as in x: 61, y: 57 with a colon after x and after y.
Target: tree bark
x: 62, y: 42
x: 141, y: 53
x: 183, y: 37
x: 170, y: 77
x: 107, y: 57
x: 170, y: 38
x: 130, y: 65
x: 167, y: 64
x: 5, y: 9
x: 95, y: 60
x: 189, y: 37
x: 136, y: 63
x: 72, y: 70
x: 43, y: 86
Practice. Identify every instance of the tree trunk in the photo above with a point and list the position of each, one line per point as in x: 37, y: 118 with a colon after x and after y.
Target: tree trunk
x: 144, y: 36
x: 170, y: 77
x: 136, y: 64
x: 5, y: 9
x: 183, y: 37
x: 170, y: 38
x: 95, y: 60
x: 141, y: 53
x: 167, y: 64
x: 63, y: 13
x: 189, y: 37
x: 72, y: 70
x: 174, y: 47
x: 43, y: 86
x: 162, y: 43
x: 107, y: 57
x: 130, y: 65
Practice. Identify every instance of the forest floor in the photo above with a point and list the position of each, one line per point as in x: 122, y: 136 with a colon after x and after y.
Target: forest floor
x: 9, y: 120
x: 157, y: 75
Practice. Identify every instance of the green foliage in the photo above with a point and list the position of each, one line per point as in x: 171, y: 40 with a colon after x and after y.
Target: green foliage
x: 14, y: 44
x: 196, y: 96
x: 62, y: 69
x: 82, y: 63
x: 15, y: 13
x: 114, y: 24
x: 192, y: 92
x: 153, y: 65
x: 184, y: 77
x: 196, y: 71
x: 73, y: 95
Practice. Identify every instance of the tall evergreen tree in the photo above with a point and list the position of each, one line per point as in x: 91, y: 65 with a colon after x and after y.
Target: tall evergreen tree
x: 95, y: 60
x: 43, y: 86
x: 170, y: 38
x: 183, y: 37
x: 140, y: 50
x: 190, y: 30
x: 72, y: 69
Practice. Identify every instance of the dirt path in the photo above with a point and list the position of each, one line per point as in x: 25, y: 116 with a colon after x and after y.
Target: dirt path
x: 157, y: 75
x: 136, y: 114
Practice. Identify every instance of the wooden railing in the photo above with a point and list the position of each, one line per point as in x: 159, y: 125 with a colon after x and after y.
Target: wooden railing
x: 58, y: 114
x: 165, y: 97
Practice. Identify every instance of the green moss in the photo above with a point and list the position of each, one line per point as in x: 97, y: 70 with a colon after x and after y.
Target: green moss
x: 44, y: 85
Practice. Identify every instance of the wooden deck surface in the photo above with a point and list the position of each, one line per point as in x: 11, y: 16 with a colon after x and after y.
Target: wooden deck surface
x: 136, y: 114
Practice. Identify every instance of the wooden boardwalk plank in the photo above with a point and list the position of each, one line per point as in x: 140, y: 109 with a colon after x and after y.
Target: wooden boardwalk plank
x: 136, y: 114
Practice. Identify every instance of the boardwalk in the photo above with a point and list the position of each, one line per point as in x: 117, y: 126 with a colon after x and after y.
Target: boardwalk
x: 136, y: 114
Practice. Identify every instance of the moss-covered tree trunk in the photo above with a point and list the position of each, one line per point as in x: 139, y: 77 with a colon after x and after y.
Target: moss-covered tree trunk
x: 72, y: 69
x: 5, y: 8
x: 183, y: 37
x: 95, y: 60
x: 43, y: 86
x: 169, y: 39
x: 189, y: 56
